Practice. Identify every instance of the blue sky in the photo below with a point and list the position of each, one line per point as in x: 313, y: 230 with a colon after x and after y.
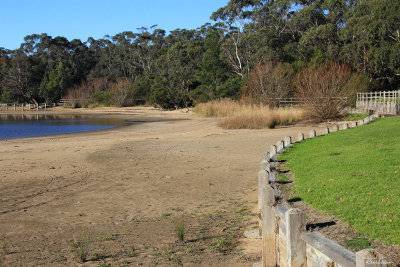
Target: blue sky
x: 81, y: 19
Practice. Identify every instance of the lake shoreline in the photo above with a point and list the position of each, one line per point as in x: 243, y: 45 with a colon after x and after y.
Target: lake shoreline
x: 128, y: 186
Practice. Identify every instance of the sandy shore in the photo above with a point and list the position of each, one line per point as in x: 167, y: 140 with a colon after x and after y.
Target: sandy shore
x: 125, y: 188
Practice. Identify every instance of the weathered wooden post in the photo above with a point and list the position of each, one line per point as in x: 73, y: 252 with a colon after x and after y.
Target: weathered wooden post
x: 279, y: 146
x: 370, y: 258
x: 295, y: 245
x: 268, y: 228
x: 262, y: 183
x: 287, y: 141
x: 265, y: 165
x: 300, y: 137
x: 313, y: 133
x: 265, y: 156
x: 273, y: 151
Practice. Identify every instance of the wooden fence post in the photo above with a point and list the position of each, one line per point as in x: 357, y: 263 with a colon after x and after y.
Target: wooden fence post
x: 262, y: 183
x: 300, y: 137
x: 370, y: 258
x: 295, y: 245
x: 268, y: 228
x: 272, y: 151
x: 279, y: 146
x: 287, y: 141
x: 265, y: 165
x: 266, y: 156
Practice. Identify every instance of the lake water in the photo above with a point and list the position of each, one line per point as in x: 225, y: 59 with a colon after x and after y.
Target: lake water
x: 30, y: 125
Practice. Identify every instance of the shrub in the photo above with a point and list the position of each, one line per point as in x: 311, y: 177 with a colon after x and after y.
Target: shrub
x: 120, y: 93
x: 101, y: 97
x: 323, y: 89
x: 268, y: 82
x: 81, y: 94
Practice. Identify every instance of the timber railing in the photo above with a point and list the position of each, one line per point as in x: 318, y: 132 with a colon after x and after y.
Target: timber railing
x: 296, y: 101
x: 285, y: 240
x: 382, y: 102
x: 25, y: 107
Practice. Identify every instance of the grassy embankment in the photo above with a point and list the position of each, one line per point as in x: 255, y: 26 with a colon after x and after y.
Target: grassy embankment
x: 236, y: 115
x: 354, y: 175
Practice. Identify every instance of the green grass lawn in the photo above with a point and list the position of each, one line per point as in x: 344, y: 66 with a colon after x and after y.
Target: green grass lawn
x: 354, y: 175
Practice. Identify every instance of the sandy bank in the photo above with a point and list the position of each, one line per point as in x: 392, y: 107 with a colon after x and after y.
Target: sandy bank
x: 127, y: 187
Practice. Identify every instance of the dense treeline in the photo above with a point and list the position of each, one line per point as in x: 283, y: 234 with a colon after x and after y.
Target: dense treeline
x: 250, y: 38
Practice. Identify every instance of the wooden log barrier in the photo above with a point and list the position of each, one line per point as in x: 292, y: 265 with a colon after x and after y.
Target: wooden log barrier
x: 269, y: 258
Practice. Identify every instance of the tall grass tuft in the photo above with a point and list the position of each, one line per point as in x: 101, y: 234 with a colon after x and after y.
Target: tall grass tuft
x: 180, y: 228
x: 238, y: 115
x: 82, y: 246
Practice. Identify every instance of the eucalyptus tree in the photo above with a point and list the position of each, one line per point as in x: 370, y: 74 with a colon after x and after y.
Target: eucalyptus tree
x: 19, y: 81
x: 372, y: 40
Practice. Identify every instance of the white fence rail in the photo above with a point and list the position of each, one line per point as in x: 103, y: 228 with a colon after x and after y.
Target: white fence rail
x: 383, y: 102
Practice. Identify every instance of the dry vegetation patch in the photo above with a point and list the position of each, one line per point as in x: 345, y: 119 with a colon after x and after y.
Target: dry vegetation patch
x: 239, y: 115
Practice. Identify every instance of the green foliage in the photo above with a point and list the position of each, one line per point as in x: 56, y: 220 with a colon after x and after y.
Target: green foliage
x: 101, y: 97
x: 187, y: 67
x: 354, y: 175
x: 6, y: 97
x: 56, y: 82
x: 230, y: 88
x: 212, y: 71
x: 354, y: 117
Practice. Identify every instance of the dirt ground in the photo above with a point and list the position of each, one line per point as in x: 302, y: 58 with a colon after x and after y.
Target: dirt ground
x: 122, y: 193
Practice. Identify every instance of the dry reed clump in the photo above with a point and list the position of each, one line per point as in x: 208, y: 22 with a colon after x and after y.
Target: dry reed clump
x: 217, y: 108
x: 238, y: 115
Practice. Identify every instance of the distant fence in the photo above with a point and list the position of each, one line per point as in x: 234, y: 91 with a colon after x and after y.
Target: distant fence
x: 382, y: 102
x: 25, y: 107
x: 296, y: 101
x: 285, y: 240
x: 86, y: 101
